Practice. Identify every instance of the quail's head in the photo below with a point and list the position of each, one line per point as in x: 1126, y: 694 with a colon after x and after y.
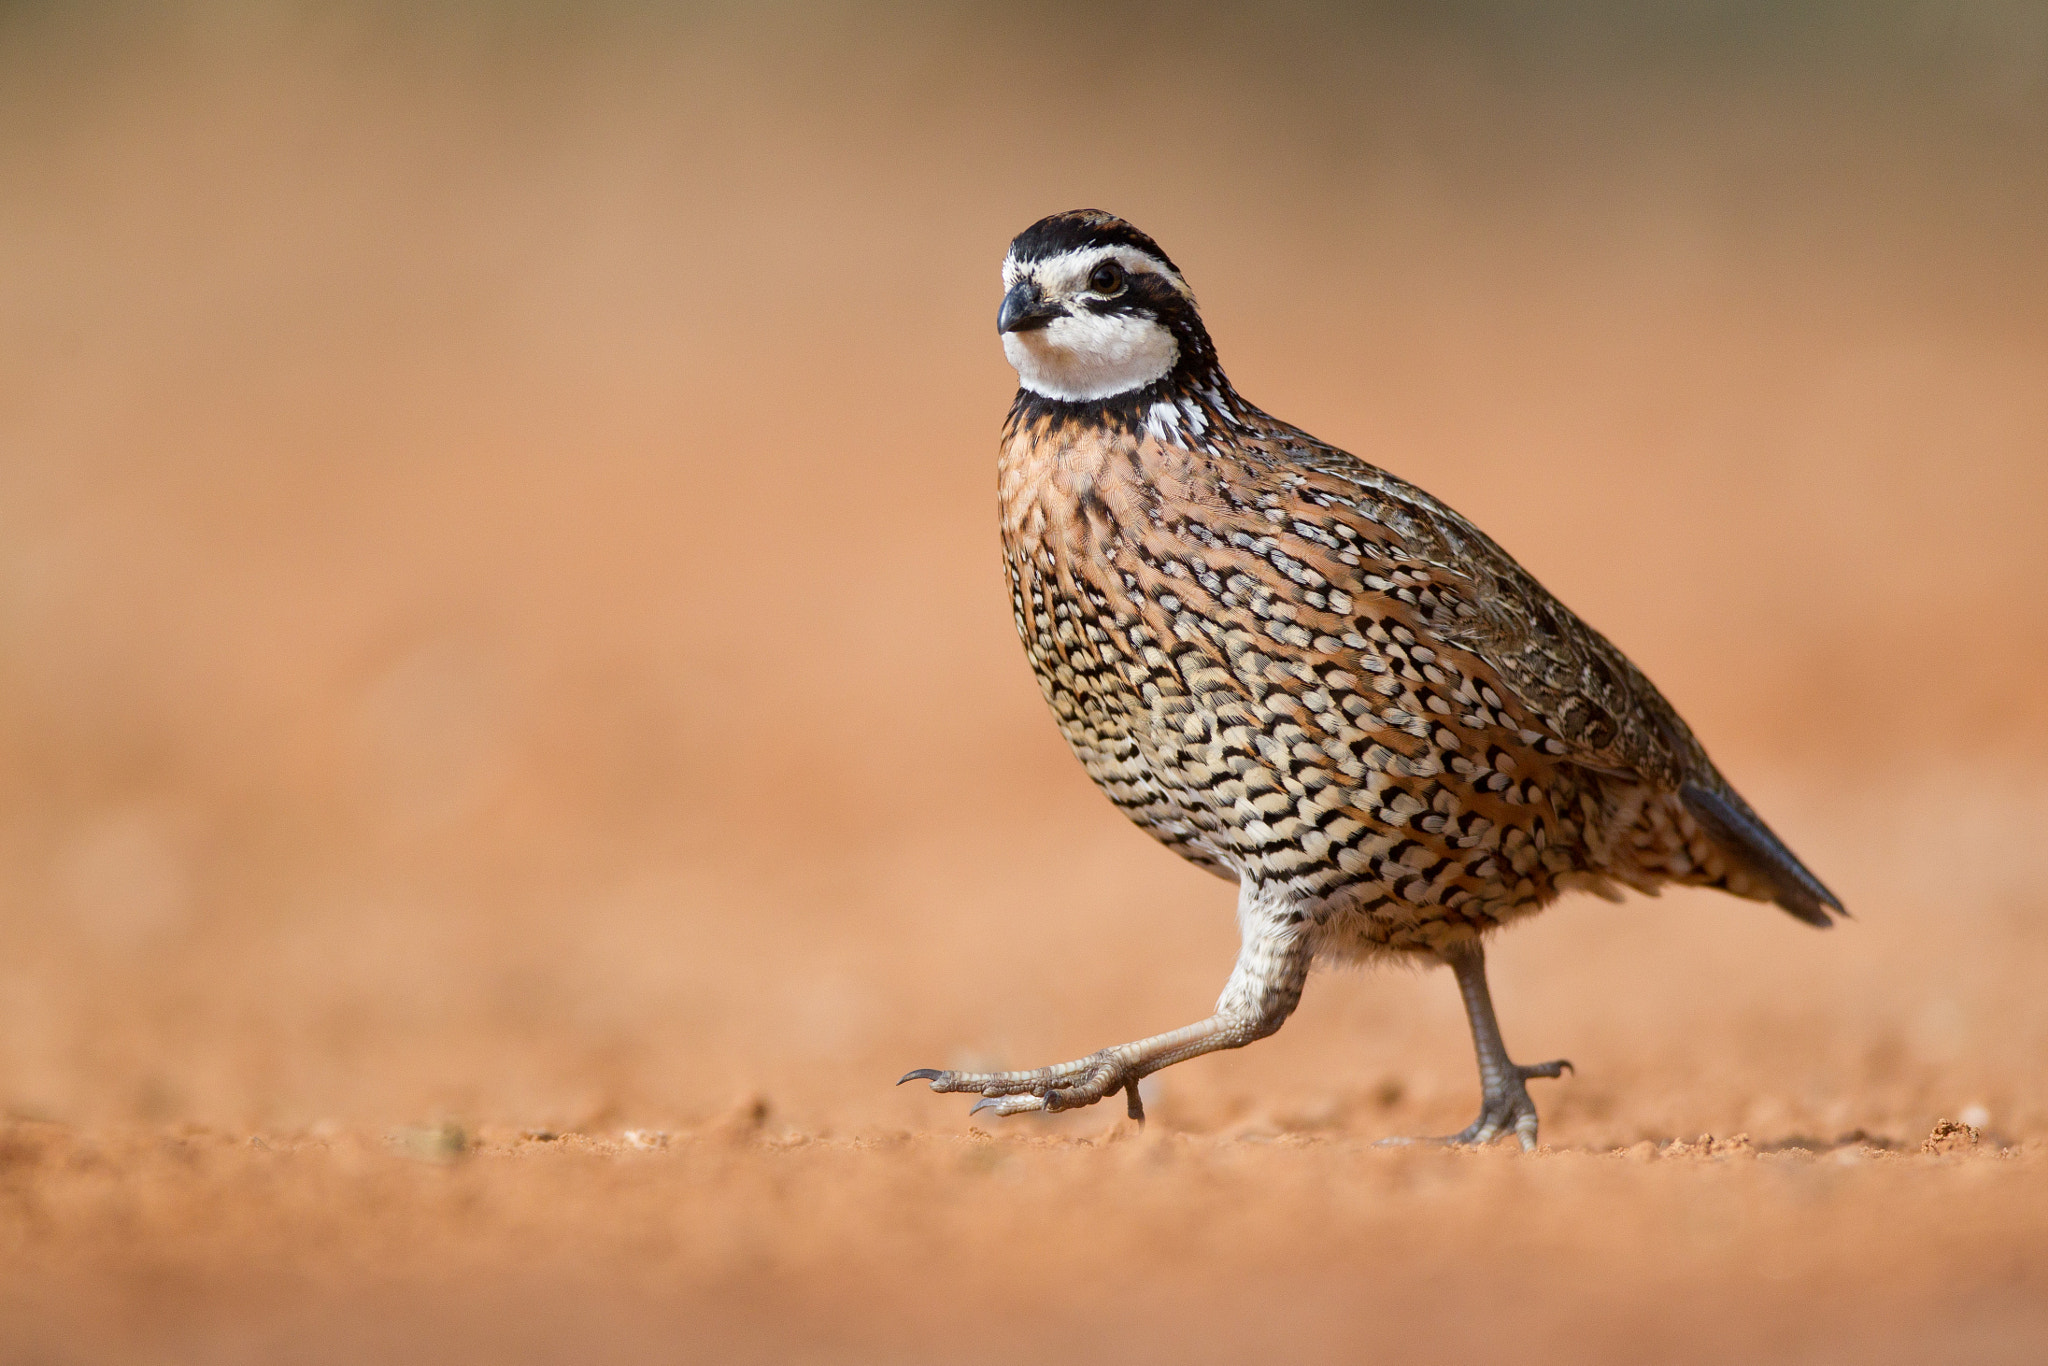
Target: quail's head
x: 1093, y: 309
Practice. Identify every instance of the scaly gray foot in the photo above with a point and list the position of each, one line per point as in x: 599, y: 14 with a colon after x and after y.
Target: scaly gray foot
x: 1068, y: 1086
x: 1505, y: 1109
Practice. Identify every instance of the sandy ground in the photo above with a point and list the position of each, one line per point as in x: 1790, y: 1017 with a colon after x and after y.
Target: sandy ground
x: 729, y: 1244
x: 511, y: 741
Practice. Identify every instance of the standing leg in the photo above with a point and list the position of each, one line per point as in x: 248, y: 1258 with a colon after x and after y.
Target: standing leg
x: 1504, y: 1105
x: 1264, y: 987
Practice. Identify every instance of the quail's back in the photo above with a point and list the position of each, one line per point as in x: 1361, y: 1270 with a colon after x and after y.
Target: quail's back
x: 1311, y: 677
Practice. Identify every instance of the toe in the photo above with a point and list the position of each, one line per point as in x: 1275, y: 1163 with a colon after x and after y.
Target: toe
x: 1068, y: 1086
x: 1477, y: 1134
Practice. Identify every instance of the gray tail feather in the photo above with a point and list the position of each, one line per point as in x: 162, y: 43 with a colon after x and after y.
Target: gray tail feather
x: 1736, y: 828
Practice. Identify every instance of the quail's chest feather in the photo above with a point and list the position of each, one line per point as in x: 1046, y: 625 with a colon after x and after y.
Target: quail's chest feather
x: 1178, y: 586
x: 1076, y: 608
x: 1178, y: 628
x: 1264, y: 678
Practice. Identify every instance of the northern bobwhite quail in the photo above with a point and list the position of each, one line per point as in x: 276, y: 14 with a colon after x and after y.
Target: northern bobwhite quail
x: 1311, y: 677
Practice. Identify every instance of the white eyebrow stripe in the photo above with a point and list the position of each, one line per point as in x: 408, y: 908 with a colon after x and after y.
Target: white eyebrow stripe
x: 1068, y: 271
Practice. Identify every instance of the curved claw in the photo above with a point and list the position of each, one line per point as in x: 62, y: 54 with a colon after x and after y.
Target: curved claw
x: 1555, y: 1068
x: 920, y: 1074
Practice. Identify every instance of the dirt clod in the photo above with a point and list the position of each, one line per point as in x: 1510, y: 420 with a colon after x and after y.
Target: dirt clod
x: 1949, y: 1136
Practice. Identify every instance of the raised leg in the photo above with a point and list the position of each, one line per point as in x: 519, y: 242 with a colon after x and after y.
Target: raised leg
x: 1272, y: 963
x: 1504, y: 1105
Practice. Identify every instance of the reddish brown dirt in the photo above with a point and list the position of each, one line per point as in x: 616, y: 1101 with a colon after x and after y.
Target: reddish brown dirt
x: 501, y: 636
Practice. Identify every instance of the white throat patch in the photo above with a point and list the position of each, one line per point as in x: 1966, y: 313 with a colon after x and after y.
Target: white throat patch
x: 1088, y: 355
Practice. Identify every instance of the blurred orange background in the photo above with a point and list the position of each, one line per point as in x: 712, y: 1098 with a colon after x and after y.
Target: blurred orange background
x: 500, y: 611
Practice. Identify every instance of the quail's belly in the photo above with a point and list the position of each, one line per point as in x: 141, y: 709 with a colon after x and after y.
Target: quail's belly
x: 1278, y: 695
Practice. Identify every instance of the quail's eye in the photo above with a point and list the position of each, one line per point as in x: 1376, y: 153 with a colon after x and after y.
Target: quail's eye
x: 1107, y: 278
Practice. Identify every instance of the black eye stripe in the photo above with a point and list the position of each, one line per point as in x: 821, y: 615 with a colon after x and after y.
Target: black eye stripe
x: 1145, y: 293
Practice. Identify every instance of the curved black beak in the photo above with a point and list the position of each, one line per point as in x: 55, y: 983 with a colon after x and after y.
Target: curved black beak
x: 1025, y: 309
